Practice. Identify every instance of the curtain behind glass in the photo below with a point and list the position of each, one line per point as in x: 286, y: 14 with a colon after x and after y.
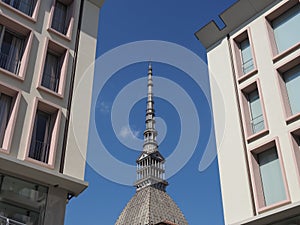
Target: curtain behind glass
x: 5, y: 111
x: 59, y: 17
x: 26, y: 6
x: 292, y: 81
x: 51, y: 74
x: 41, y: 137
x: 11, y: 52
x: 271, y: 177
x: 14, y: 56
x: 286, y: 29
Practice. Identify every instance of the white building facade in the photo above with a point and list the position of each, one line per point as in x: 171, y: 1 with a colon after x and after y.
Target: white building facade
x: 254, y: 62
x: 45, y: 48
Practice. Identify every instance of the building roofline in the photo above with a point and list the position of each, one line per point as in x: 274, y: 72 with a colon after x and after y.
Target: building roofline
x: 233, y: 17
x: 98, y: 3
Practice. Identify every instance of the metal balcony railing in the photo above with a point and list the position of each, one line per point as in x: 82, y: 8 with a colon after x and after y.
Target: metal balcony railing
x: 9, y: 64
x: 257, y: 124
x: 39, y: 151
x: 6, y: 221
x: 248, y: 66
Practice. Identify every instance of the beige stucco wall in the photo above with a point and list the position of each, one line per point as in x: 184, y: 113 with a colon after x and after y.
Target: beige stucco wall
x: 14, y: 163
x: 77, y: 144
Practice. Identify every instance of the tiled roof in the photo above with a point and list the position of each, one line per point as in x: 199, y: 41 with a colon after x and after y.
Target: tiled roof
x: 151, y: 206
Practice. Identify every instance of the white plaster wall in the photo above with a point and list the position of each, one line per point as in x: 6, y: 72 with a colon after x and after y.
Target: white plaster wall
x: 232, y: 163
x: 231, y: 153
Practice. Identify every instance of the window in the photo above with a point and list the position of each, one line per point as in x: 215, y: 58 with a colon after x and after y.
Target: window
x: 9, y: 103
x: 268, y: 177
x: 62, y: 17
x: 25, y: 6
x: 247, y: 60
x: 32, y: 196
x: 15, y: 46
x: 41, y: 136
x: 44, y: 134
x: 292, y: 82
x: 11, y: 50
x: 244, y: 55
x: 295, y: 137
x: 287, y: 23
x: 51, y: 72
x: 256, y: 115
x: 55, y: 69
x: 271, y: 177
x: 5, y: 112
x: 254, y: 118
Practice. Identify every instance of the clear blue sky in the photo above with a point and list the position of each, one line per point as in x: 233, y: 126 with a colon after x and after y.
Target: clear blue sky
x: 196, y: 192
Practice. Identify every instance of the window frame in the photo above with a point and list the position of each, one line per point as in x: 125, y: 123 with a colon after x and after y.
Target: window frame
x: 16, y: 95
x: 255, y: 176
x: 32, y: 18
x: 281, y: 69
x: 71, y: 6
x: 272, y: 16
x: 63, y: 53
x: 20, y: 29
x: 235, y: 42
x: 246, y: 114
x: 52, y: 109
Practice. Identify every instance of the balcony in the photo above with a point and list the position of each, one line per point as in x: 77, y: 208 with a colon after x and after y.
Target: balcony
x: 7, y: 221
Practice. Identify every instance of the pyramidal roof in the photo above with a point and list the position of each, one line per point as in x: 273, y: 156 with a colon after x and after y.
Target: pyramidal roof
x: 151, y: 205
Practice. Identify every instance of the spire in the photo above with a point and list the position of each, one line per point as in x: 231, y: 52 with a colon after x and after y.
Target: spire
x: 150, y: 144
x: 150, y: 164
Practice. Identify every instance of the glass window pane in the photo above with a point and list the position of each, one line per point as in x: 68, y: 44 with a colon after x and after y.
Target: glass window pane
x: 286, y: 30
x: 5, y: 112
x: 11, y: 52
x: 257, y: 119
x: 22, y: 201
x: 41, y: 137
x: 247, y: 61
x: 271, y: 177
x: 292, y: 81
x: 60, y: 17
x: 51, y: 73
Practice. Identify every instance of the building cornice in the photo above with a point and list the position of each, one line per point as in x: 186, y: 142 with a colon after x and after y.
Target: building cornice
x: 233, y: 17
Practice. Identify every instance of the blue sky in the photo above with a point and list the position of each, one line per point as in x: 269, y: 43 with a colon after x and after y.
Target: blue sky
x: 196, y: 192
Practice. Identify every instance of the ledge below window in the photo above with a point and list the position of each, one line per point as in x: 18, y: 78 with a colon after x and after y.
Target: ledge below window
x: 247, y: 75
x: 293, y: 118
x: 273, y: 206
x: 44, y: 89
x: 286, y: 52
x: 258, y: 135
x: 51, y: 30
